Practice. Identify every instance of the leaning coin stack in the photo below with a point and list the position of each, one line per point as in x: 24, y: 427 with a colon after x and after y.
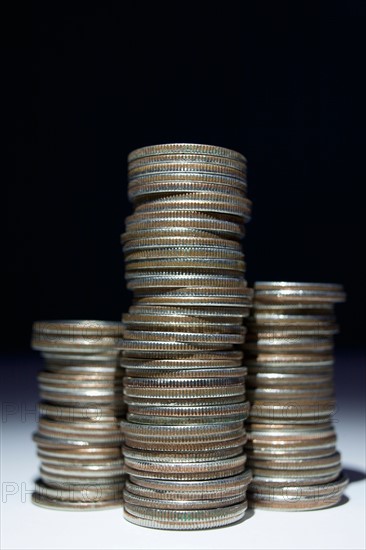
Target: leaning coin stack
x: 184, y: 384
x: 291, y: 440
x: 78, y: 437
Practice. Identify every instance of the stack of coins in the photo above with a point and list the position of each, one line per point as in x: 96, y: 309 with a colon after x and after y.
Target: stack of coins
x: 291, y: 440
x: 184, y: 384
x: 78, y: 437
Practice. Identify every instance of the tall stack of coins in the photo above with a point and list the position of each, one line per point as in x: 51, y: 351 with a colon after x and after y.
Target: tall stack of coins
x: 289, y: 353
x: 78, y: 437
x: 184, y: 384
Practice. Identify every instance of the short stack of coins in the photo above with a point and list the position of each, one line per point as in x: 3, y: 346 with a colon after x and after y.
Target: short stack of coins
x: 78, y: 437
x: 291, y: 439
x: 184, y: 385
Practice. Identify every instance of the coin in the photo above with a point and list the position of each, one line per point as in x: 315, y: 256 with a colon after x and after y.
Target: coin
x: 87, y: 494
x: 78, y: 438
x: 186, y: 148
x: 185, y: 524
x: 291, y: 440
x: 55, y: 503
x: 188, y: 157
x: 185, y: 491
x: 138, y: 193
x: 200, y: 504
x: 213, y: 443
x: 181, y: 456
x: 185, y: 380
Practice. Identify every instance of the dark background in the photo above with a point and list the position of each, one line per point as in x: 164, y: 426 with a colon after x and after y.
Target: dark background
x: 86, y: 88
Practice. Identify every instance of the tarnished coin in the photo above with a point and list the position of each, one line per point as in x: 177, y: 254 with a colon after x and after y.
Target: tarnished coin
x: 219, y: 315
x: 171, y: 394
x: 188, y: 374
x: 183, y: 323
x: 195, y: 202
x: 138, y: 193
x: 89, y: 494
x: 198, y: 221
x: 83, y: 358
x: 84, y: 329
x: 214, y: 443
x: 292, y: 497
x: 200, y: 265
x: 201, y: 336
x: 201, y: 252
x: 288, y: 463
x: 299, y: 477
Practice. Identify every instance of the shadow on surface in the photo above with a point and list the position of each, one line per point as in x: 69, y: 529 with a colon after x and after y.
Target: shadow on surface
x: 354, y: 475
x: 249, y: 513
x: 344, y: 499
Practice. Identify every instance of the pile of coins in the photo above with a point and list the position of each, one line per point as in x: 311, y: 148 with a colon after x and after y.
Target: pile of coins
x: 184, y: 385
x: 78, y: 437
x: 291, y: 440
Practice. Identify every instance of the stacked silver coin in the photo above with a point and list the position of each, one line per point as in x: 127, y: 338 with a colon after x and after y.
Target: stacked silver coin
x: 78, y: 437
x: 184, y: 384
x: 291, y: 439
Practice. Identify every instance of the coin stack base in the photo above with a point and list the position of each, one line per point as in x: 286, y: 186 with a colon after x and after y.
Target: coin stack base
x: 184, y: 384
x: 78, y: 437
x: 291, y: 440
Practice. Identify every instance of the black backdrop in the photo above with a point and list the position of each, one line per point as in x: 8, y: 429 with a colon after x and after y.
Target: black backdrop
x: 86, y: 88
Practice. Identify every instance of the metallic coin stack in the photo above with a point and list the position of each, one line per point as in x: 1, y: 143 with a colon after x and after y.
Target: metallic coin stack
x: 291, y: 439
x: 184, y: 384
x: 78, y: 437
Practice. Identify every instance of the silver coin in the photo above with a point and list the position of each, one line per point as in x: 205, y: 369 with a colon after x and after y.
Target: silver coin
x: 189, y: 374
x: 295, y: 463
x: 183, y: 515
x: 85, y: 454
x: 181, y: 456
x: 207, y: 485
x: 191, y: 494
x: 53, y: 503
x: 59, y: 442
x: 177, y: 431
x: 285, y: 285
x: 88, y: 494
x: 83, y: 413
x: 187, y: 524
x: 214, y: 443
x: 186, y: 148
x: 54, y: 479
x: 200, y: 504
x: 218, y: 465
x: 294, y: 493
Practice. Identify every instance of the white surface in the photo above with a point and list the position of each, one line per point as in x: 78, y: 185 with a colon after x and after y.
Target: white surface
x: 25, y: 526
